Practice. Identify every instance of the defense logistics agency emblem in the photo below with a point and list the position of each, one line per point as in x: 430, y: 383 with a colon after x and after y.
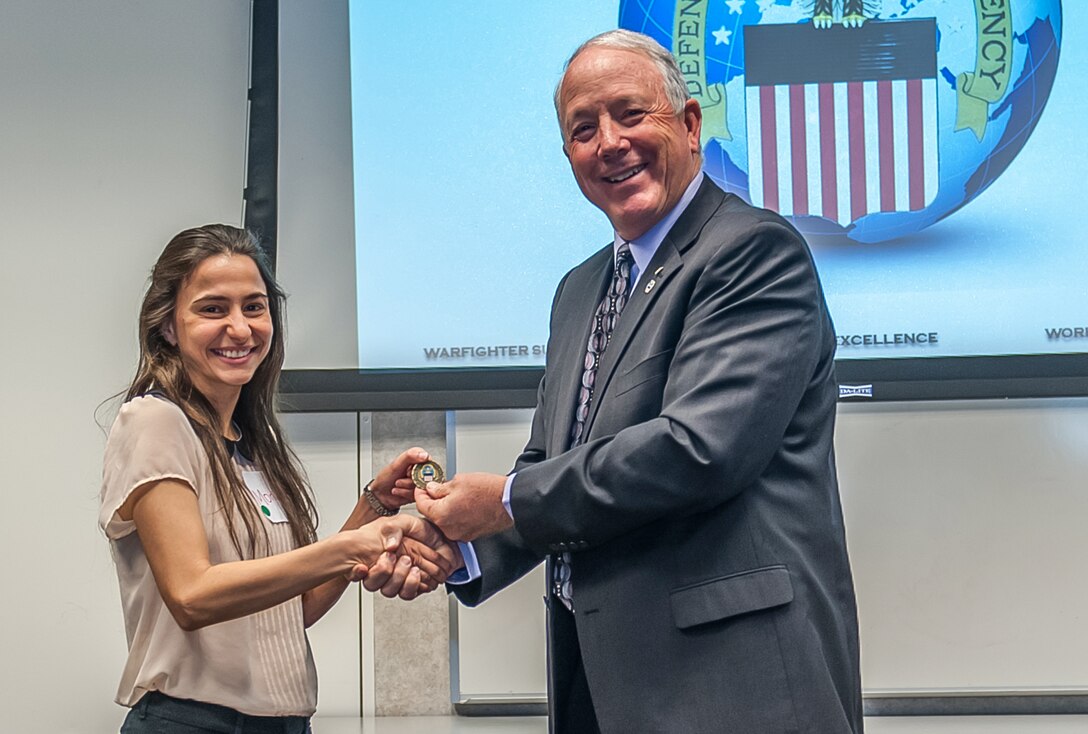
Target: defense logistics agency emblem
x: 869, y: 119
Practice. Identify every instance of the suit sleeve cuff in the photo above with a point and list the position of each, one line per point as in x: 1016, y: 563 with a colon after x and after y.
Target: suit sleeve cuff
x: 471, y: 571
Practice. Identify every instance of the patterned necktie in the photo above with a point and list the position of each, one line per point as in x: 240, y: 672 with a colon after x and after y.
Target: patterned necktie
x: 604, y: 323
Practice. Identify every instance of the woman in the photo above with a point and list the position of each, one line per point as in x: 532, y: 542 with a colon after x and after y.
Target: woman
x: 211, y: 522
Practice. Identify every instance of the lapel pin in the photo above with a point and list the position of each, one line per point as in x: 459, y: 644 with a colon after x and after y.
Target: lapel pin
x: 652, y: 283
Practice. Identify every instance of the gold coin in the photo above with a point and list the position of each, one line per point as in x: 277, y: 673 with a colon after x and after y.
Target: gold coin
x: 428, y: 471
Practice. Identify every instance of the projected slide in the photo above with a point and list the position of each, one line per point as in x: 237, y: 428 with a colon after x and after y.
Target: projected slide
x: 932, y: 151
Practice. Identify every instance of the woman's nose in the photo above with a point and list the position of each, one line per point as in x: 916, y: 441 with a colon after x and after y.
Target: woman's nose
x: 238, y: 326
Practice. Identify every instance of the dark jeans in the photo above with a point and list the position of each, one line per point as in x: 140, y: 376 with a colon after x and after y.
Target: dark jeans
x: 157, y: 713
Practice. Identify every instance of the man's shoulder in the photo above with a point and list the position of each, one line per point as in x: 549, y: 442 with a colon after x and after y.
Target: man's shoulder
x: 735, y: 218
x: 715, y: 214
x: 733, y: 209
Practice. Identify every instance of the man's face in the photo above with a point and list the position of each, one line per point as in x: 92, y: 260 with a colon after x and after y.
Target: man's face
x: 632, y: 156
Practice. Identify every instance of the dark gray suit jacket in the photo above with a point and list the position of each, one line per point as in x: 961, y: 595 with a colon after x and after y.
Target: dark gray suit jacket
x: 711, y: 582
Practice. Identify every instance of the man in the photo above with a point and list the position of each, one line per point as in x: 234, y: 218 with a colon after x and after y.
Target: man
x: 679, y: 477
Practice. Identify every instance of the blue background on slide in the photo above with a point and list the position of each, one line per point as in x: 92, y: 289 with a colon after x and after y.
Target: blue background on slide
x: 467, y: 215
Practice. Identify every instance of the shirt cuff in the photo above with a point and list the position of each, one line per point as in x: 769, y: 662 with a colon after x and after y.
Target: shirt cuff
x: 471, y: 571
x: 506, y: 494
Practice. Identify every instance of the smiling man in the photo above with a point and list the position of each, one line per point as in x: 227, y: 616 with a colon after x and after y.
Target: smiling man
x: 633, y: 150
x: 680, y: 477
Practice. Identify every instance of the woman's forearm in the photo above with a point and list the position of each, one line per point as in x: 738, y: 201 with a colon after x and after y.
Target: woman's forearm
x: 226, y: 591
x: 199, y: 593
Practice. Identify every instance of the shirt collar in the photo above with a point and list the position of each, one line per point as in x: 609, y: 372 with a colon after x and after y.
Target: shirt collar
x: 644, y: 246
x: 239, y: 447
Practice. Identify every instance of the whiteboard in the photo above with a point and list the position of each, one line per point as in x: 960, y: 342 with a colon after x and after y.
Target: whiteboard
x: 966, y: 524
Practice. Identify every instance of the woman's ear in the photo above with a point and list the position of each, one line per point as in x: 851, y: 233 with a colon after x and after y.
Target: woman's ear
x: 168, y: 333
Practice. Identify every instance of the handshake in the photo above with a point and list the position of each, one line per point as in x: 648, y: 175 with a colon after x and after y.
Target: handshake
x: 405, y: 555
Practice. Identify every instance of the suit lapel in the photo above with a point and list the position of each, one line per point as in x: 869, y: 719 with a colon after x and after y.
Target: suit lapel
x: 572, y: 320
x: 653, y: 284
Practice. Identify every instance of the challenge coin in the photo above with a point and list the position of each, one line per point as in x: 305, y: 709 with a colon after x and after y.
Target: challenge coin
x: 428, y: 471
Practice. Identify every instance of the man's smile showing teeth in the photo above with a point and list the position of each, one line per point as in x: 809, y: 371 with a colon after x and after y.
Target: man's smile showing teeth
x: 625, y: 175
x: 234, y: 353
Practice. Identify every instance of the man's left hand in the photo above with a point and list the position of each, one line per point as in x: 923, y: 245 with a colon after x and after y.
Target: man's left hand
x: 467, y: 507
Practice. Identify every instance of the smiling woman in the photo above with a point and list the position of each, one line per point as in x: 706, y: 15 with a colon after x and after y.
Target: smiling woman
x: 209, y: 516
x: 222, y: 327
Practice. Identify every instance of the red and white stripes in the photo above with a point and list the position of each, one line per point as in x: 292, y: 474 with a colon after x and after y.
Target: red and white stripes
x: 843, y: 150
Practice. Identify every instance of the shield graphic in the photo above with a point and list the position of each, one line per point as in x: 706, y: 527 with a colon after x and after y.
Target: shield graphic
x: 842, y: 122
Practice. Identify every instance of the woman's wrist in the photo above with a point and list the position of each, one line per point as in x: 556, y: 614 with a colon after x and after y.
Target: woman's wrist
x: 363, y: 545
x: 376, y: 504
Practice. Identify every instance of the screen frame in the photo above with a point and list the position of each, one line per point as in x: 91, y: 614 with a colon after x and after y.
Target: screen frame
x: 333, y: 390
x: 872, y: 380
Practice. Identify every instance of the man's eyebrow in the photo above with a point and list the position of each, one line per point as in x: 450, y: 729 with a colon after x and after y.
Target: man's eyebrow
x: 576, y: 113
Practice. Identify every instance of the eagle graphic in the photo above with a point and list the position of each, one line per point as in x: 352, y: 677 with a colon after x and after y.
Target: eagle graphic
x: 851, y: 13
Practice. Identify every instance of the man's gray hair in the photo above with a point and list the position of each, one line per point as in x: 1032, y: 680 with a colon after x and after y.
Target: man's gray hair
x: 676, y: 90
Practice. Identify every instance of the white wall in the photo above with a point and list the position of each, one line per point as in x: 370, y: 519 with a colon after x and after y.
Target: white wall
x: 123, y: 122
x: 501, y: 651
x: 966, y: 527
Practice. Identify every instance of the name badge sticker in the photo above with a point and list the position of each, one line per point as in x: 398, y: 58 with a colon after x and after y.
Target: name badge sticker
x: 262, y: 496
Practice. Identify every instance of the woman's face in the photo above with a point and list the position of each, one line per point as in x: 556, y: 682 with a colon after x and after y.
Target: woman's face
x: 222, y: 326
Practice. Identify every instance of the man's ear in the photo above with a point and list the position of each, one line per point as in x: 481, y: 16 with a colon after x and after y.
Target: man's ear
x: 169, y: 334
x: 693, y: 123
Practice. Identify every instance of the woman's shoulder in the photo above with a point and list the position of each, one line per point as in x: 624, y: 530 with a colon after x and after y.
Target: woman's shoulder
x: 151, y: 439
x: 152, y: 406
x: 151, y: 413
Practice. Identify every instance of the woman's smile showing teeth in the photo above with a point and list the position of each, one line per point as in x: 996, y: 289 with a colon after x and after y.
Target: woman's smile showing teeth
x: 237, y: 353
x: 621, y: 177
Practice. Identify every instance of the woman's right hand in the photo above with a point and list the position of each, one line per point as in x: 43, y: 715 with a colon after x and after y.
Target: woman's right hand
x: 414, y: 558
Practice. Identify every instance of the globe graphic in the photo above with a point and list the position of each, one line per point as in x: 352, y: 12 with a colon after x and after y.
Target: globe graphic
x: 916, y: 166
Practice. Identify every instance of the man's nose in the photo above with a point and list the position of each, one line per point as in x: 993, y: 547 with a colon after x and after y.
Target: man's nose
x: 611, y: 140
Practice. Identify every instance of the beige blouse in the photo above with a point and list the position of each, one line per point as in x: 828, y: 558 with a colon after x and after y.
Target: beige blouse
x: 260, y: 664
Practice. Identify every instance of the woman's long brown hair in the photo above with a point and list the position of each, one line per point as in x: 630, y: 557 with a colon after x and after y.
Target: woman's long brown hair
x: 160, y: 369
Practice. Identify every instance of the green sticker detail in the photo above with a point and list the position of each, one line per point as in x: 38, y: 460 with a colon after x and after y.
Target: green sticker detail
x: 267, y: 512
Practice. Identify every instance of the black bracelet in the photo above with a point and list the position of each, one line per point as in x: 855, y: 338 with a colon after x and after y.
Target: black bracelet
x: 375, y: 503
